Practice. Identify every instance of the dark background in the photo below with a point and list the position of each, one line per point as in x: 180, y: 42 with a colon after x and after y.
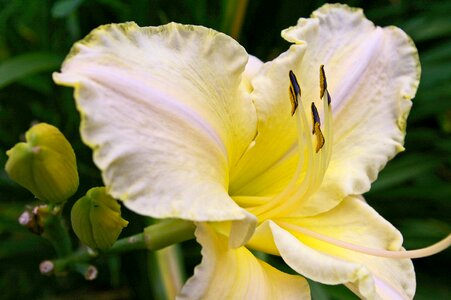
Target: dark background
x: 413, y: 192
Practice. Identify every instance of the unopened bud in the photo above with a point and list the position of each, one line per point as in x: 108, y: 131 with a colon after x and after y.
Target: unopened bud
x: 33, y: 218
x: 96, y: 219
x: 46, y: 267
x: 45, y: 164
x: 91, y: 273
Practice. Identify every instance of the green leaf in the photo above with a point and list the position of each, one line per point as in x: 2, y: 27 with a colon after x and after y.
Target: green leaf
x: 439, y: 54
x: 24, y: 65
x: 63, y: 8
x: 416, y: 193
x: 22, y: 247
x: 419, y: 233
x: 427, y: 27
x: 429, y: 102
x: 40, y: 83
x: 317, y: 291
x: 330, y: 292
x: 402, y: 170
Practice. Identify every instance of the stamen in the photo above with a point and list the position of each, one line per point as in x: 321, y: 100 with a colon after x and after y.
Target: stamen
x: 304, y: 142
x: 295, y: 92
x: 428, y: 251
x: 322, y: 81
x: 329, y: 99
x: 315, y: 116
x: 294, y: 83
x: 303, y: 176
x: 326, y: 99
x: 317, y: 129
x: 310, y: 168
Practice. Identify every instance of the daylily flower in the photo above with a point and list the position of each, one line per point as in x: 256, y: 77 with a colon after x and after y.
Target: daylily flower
x: 265, y: 156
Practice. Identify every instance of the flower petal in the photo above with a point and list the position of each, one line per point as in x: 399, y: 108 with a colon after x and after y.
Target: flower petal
x: 318, y: 266
x: 252, y: 67
x: 372, y: 73
x: 352, y: 221
x: 237, y: 274
x: 166, y: 112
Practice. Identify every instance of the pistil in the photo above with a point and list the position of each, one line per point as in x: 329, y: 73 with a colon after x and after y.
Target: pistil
x: 398, y: 254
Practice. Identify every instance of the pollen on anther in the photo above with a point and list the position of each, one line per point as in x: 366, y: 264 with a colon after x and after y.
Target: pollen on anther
x: 293, y: 100
x: 316, y: 130
x: 319, y: 137
x: 315, y: 116
x: 322, y: 81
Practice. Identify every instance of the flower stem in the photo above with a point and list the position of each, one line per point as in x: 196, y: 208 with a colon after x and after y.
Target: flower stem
x: 170, y: 265
x: 155, y: 237
x: 168, y: 232
x: 56, y: 232
x: 61, y: 264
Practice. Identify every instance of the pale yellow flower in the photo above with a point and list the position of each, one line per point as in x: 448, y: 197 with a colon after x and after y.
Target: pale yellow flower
x: 185, y: 124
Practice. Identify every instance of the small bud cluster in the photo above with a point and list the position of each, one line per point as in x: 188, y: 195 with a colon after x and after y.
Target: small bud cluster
x: 45, y: 164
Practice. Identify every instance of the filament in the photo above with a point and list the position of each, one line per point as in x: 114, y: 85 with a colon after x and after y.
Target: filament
x: 312, y: 164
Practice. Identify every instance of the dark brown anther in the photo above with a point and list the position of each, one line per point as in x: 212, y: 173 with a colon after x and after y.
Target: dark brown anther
x: 295, y: 92
x: 322, y: 81
x: 316, y: 130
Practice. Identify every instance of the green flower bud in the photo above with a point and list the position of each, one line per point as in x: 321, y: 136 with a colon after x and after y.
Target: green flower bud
x: 96, y: 219
x: 45, y: 164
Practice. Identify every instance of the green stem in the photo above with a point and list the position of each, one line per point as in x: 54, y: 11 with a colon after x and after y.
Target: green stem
x: 61, y: 264
x: 56, y: 232
x: 165, y: 266
x: 155, y: 237
x: 134, y: 242
x: 168, y: 232
x: 170, y: 264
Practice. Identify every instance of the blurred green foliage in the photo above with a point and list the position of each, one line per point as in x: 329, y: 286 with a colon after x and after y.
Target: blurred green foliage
x: 413, y: 191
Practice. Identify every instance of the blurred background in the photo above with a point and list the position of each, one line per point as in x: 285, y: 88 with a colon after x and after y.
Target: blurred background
x: 413, y: 192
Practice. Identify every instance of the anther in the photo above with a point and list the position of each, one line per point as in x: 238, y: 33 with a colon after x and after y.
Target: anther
x: 322, y: 81
x: 295, y: 92
x: 317, y: 129
x: 315, y: 116
x: 294, y: 83
x: 293, y: 100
